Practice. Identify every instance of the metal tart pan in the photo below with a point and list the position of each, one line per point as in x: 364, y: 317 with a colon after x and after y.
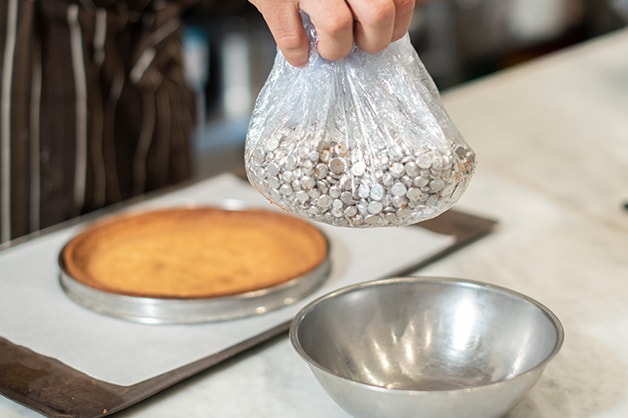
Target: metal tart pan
x: 152, y: 310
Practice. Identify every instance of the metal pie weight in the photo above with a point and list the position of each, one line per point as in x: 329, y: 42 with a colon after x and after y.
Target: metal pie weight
x: 360, y: 142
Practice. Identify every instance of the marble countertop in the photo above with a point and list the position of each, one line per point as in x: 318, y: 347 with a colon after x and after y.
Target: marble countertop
x: 552, y: 143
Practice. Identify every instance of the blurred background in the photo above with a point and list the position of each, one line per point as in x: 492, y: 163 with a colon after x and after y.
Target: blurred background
x: 229, y: 52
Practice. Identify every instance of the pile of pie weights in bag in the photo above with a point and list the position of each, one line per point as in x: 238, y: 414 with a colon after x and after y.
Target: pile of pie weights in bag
x: 328, y: 182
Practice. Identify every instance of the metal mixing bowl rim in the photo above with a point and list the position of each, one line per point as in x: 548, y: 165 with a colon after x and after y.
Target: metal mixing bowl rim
x: 299, y: 317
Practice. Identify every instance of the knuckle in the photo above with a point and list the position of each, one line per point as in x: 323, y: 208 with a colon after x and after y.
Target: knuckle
x: 290, y: 41
x: 404, y: 6
x: 381, y: 12
x: 338, y: 23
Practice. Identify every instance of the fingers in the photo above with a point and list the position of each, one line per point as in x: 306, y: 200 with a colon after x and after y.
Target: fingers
x: 371, y: 24
x: 333, y: 21
x: 404, y: 10
x: 284, y: 21
x: 374, y: 23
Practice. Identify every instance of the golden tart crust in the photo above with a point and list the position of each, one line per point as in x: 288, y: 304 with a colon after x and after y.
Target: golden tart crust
x: 194, y: 252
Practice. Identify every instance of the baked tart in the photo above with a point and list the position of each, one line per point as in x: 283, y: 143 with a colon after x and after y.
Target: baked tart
x: 191, y: 253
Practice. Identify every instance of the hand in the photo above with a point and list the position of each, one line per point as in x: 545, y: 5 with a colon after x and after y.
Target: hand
x: 371, y: 24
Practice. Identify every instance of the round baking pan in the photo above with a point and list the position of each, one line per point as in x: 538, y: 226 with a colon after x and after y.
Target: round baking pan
x: 176, y: 310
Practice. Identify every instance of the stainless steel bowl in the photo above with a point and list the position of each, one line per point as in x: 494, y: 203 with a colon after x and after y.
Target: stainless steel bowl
x: 426, y: 347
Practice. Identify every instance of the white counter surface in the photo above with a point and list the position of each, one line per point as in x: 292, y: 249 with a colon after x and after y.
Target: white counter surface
x: 552, y: 143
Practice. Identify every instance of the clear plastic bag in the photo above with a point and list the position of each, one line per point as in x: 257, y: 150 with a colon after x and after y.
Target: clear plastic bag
x: 359, y: 142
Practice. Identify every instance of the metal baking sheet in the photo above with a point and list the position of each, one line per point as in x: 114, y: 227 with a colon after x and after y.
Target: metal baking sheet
x: 161, y: 310
x: 62, y: 347
x: 63, y: 391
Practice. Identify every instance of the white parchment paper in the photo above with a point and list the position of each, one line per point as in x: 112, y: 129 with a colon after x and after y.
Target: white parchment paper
x: 36, y: 313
